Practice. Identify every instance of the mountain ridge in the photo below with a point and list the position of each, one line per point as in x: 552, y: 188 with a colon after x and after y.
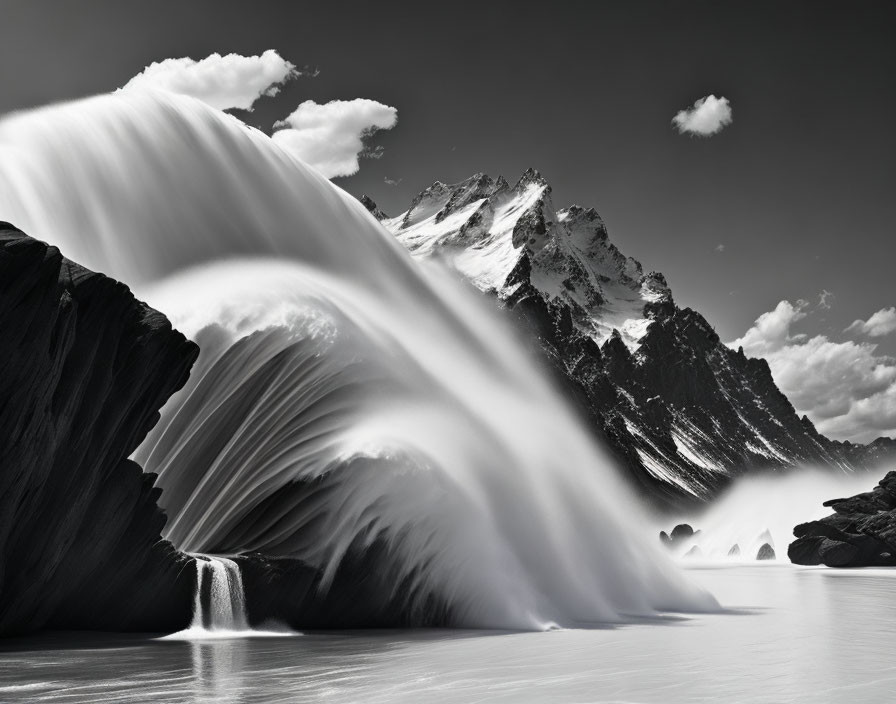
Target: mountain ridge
x: 683, y: 413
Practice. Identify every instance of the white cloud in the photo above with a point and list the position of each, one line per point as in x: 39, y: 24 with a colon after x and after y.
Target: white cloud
x: 720, y: 248
x: 845, y: 388
x: 331, y: 137
x: 771, y: 331
x: 881, y: 323
x: 825, y: 298
x: 706, y: 117
x: 224, y: 82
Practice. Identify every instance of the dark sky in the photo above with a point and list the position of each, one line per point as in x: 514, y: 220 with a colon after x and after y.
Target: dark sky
x: 799, y: 189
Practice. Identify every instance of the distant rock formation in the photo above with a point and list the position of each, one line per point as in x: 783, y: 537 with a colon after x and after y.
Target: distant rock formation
x: 860, y: 533
x: 765, y: 552
x: 84, y: 370
x: 684, y: 413
x: 680, y: 534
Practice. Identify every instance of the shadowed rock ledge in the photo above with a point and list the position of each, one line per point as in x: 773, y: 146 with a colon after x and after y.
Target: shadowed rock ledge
x: 84, y: 370
x: 860, y: 533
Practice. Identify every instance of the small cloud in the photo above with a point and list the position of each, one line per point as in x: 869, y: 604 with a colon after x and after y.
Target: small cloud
x: 720, y: 248
x: 331, y: 137
x: 881, y: 323
x: 308, y: 71
x: 224, y: 82
x: 708, y: 116
x: 825, y: 299
x: 391, y: 181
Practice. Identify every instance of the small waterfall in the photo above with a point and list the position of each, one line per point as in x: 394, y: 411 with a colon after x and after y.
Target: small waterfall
x: 220, y: 603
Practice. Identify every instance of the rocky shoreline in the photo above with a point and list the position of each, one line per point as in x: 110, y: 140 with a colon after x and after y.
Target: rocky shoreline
x: 860, y: 533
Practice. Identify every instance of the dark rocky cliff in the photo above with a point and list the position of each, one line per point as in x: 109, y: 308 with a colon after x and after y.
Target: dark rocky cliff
x: 84, y: 370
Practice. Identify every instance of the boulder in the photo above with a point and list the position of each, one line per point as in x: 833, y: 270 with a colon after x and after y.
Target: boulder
x: 766, y: 552
x: 860, y: 533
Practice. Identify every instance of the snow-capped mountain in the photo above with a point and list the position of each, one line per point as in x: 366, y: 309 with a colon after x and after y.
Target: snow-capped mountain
x: 682, y: 411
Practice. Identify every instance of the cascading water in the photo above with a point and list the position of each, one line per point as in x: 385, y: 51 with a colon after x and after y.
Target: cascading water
x: 220, y: 604
x: 347, y: 402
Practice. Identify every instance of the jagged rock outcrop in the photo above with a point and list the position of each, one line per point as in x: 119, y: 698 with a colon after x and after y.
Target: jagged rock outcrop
x: 765, y: 552
x: 860, y: 533
x: 368, y: 203
x: 684, y: 413
x: 84, y: 370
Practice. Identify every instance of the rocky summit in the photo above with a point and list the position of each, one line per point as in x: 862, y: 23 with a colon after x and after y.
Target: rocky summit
x: 683, y: 412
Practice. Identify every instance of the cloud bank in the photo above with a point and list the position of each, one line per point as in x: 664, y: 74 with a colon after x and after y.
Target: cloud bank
x: 707, y: 117
x: 330, y: 137
x: 224, y: 82
x: 845, y: 388
x: 881, y: 323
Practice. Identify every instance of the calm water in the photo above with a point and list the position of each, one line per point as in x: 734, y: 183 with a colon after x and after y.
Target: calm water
x: 791, y: 635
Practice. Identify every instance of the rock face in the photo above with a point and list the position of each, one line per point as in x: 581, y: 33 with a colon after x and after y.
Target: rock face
x: 765, y: 552
x: 683, y: 412
x: 84, y: 370
x: 681, y: 533
x: 861, y: 532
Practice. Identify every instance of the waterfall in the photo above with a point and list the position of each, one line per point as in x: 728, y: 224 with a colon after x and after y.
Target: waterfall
x: 349, y: 405
x: 219, y: 604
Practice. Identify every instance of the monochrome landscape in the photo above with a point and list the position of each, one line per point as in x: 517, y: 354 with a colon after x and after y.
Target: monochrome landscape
x: 385, y: 355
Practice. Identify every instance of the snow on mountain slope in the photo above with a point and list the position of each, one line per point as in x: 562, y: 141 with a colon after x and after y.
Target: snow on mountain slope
x: 683, y: 413
x: 481, y: 226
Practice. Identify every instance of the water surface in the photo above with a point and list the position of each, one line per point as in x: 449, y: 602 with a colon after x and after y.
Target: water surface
x: 789, y: 635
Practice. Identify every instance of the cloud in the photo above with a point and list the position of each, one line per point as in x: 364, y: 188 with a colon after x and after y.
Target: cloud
x: 224, y: 82
x: 845, y: 388
x: 720, y: 248
x: 824, y: 299
x: 391, y: 181
x: 771, y: 331
x: 881, y: 323
x: 331, y: 137
x: 708, y: 116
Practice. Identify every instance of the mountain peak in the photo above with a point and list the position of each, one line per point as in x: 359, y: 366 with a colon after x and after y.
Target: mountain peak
x: 682, y: 411
x: 371, y: 206
x: 484, y: 228
x: 530, y: 176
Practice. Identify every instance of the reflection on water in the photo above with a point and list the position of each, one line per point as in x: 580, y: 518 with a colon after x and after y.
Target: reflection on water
x: 791, y: 635
x: 219, y: 670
